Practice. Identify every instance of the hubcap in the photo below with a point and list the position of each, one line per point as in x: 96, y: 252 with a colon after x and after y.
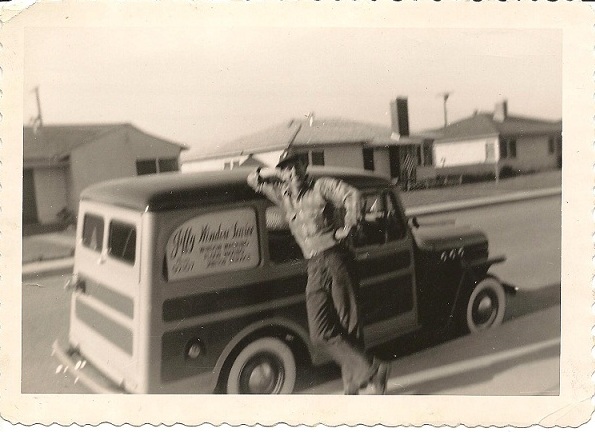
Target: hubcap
x: 485, y: 309
x: 263, y: 374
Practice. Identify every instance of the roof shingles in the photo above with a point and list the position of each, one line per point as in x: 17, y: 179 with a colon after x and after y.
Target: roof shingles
x: 54, y: 142
x: 300, y: 133
x: 483, y: 124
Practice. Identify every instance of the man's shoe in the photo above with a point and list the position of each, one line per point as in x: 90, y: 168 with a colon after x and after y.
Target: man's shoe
x: 380, y: 378
x: 350, y: 389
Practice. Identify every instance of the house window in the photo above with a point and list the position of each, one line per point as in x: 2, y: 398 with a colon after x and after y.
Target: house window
x: 428, y: 159
x: 512, y: 147
x: 559, y: 144
x: 368, y: 155
x: 235, y: 164
x: 317, y: 158
x: 146, y: 166
x: 507, y: 148
x: 154, y: 166
x: 551, y: 145
x: 226, y: 165
x: 503, y: 149
x: 167, y: 165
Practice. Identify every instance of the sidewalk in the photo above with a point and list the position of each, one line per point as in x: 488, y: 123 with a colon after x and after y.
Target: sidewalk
x: 51, y: 253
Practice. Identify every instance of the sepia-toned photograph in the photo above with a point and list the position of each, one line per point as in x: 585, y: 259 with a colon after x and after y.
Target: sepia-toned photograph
x: 216, y: 204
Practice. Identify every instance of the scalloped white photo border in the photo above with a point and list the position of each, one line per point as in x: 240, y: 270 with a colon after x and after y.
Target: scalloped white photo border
x: 573, y: 407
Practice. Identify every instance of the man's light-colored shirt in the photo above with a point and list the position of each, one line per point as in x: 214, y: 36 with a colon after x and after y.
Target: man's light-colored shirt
x: 311, y: 214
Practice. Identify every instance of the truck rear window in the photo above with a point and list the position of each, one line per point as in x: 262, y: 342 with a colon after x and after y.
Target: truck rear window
x: 122, y: 241
x: 93, y: 232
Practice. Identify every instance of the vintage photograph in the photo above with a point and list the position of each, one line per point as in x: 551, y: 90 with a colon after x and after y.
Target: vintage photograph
x: 323, y: 209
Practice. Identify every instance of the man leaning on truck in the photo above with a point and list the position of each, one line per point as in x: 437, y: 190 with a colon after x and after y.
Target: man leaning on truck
x: 330, y: 292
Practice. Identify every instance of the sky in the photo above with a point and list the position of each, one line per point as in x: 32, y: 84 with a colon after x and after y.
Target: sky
x: 207, y: 85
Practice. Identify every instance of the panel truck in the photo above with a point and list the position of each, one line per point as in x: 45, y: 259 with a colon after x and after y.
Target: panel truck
x: 192, y: 283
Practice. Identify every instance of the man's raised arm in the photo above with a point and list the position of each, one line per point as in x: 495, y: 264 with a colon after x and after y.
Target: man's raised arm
x: 267, y: 181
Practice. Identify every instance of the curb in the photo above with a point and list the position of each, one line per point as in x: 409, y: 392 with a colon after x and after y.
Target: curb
x: 64, y: 265
x: 47, y: 268
x: 481, y: 202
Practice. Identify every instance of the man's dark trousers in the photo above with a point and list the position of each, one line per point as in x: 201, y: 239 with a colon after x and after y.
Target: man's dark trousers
x: 333, y: 315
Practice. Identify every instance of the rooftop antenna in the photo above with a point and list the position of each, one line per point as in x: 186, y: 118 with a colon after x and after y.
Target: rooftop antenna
x: 38, y: 121
x: 445, y: 96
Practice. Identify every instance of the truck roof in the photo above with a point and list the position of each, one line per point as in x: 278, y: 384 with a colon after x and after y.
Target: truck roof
x: 172, y: 191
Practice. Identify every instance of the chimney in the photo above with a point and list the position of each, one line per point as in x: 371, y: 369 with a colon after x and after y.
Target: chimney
x: 399, y: 115
x: 501, y: 111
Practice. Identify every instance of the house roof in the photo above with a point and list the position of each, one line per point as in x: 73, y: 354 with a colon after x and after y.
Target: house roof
x: 302, y: 133
x: 483, y: 124
x: 55, y: 142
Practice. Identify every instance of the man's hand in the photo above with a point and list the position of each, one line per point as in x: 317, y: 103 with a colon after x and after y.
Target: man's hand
x: 268, y: 173
x: 271, y: 175
x: 342, y: 233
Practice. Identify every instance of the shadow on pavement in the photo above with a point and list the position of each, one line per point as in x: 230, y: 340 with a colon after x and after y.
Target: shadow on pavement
x: 474, y: 376
x: 519, y: 307
x: 529, y: 301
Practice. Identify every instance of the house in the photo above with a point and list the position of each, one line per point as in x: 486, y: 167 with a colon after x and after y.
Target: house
x: 388, y: 151
x: 61, y: 160
x: 497, y: 144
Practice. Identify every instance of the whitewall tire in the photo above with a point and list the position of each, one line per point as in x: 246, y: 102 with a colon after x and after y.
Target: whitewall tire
x: 485, y: 306
x: 265, y: 366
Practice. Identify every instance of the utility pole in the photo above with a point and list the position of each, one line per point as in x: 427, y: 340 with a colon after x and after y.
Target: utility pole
x: 445, y: 96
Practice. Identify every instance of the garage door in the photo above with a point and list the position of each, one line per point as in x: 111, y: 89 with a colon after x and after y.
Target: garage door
x: 29, y: 200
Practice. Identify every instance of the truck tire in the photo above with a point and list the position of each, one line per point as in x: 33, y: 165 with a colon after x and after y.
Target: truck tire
x: 485, y: 306
x: 264, y: 366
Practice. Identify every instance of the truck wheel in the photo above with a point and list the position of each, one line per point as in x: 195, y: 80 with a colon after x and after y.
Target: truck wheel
x: 485, y: 306
x: 265, y: 366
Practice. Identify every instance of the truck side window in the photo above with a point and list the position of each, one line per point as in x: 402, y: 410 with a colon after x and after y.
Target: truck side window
x: 380, y: 222
x: 282, y: 246
x: 93, y: 232
x: 122, y: 241
x: 395, y: 227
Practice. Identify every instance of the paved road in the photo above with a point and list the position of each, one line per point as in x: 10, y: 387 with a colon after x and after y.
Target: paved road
x: 526, y: 346
x: 527, y: 232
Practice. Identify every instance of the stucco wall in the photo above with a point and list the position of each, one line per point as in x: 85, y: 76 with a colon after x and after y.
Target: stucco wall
x: 51, y: 192
x: 467, y: 152
x: 532, y: 155
x: 114, y: 155
x: 344, y: 156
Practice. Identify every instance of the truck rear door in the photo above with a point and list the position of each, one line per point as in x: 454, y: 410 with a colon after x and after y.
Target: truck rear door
x: 104, y: 310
